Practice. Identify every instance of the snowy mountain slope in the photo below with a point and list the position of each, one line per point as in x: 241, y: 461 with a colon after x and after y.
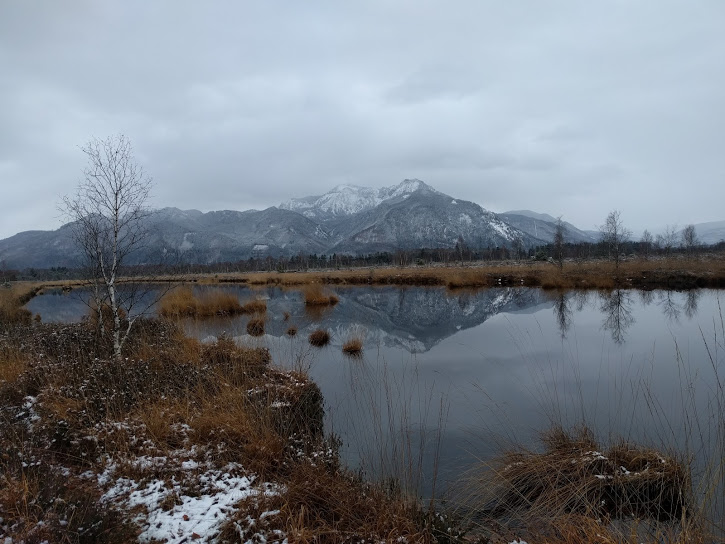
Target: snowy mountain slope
x: 711, y: 232
x: 346, y: 200
x: 543, y: 226
x: 423, y: 218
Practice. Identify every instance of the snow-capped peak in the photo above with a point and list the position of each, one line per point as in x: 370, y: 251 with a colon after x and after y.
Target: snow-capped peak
x: 348, y: 199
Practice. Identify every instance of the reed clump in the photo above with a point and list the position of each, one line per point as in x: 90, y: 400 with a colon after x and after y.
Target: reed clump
x: 575, y: 477
x: 319, y: 337
x: 255, y: 326
x: 184, y: 302
x: 316, y: 296
x: 255, y: 306
x: 291, y: 330
x: 353, y: 346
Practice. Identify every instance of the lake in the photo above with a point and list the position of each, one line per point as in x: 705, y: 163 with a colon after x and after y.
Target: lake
x: 449, y: 378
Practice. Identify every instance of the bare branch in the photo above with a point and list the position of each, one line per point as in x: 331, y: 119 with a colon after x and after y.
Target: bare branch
x: 109, y: 212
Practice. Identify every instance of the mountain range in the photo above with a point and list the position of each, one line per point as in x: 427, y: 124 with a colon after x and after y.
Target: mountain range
x: 346, y: 220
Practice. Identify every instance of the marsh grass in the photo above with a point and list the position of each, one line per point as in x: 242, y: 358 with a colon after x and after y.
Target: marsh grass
x: 12, y: 300
x: 326, y: 504
x: 255, y: 326
x: 75, y: 411
x: 291, y: 330
x: 353, y: 346
x: 86, y: 408
x: 670, y: 273
x: 183, y: 302
x: 575, y: 475
x: 315, y: 295
x: 319, y: 338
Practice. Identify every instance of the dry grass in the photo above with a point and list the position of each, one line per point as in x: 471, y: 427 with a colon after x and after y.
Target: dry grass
x: 255, y: 326
x: 575, y: 489
x: 319, y: 338
x: 292, y: 330
x: 13, y: 362
x: 324, y: 504
x: 13, y: 299
x: 353, y: 346
x: 255, y: 306
x: 87, y: 410
x: 315, y: 295
x: 672, y: 273
x: 183, y: 302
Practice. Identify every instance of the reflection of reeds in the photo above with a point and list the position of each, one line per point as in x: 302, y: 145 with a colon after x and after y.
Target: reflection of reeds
x: 319, y: 338
x: 183, y: 302
x: 353, y: 346
x: 255, y: 306
x: 316, y: 296
x: 255, y: 326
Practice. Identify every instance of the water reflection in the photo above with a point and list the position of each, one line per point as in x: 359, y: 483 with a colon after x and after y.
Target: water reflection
x: 503, y: 362
x: 563, y: 313
x: 691, y: 298
x: 616, y: 306
x: 415, y: 319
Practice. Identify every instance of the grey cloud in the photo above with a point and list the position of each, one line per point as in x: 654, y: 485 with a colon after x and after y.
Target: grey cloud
x: 563, y: 107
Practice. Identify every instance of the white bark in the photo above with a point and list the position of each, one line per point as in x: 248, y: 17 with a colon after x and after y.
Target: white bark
x: 108, y: 211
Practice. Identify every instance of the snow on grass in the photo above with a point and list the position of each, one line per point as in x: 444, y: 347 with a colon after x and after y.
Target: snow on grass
x: 172, y: 512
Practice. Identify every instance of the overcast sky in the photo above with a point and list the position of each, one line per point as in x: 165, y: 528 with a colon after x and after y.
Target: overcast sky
x: 571, y: 108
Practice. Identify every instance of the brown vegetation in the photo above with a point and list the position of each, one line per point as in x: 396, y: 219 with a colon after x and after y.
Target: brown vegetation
x: 292, y: 330
x: 76, y: 414
x: 325, y: 504
x: 353, y: 346
x: 87, y: 411
x: 255, y: 326
x: 319, y: 337
x: 316, y: 296
x: 12, y: 300
x: 183, y: 302
x: 670, y: 273
x: 575, y: 484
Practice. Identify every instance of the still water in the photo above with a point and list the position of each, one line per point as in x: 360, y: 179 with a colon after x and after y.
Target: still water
x: 448, y: 379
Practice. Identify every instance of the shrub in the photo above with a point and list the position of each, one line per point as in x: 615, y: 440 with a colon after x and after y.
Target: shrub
x: 315, y: 296
x: 319, y: 338
x: 353, y: 346
x: 255, y: 326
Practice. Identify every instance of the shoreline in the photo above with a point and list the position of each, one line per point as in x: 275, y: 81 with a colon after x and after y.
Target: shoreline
x: 676, y: 273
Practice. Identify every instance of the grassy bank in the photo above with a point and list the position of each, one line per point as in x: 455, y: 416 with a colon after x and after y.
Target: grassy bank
x: 673, y: 273
x: 183, y: 441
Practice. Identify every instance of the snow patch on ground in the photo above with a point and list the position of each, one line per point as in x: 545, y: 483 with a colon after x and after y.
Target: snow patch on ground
x: 170, y: 513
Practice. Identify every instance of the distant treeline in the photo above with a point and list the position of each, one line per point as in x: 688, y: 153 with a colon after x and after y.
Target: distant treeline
x: 460, y: 254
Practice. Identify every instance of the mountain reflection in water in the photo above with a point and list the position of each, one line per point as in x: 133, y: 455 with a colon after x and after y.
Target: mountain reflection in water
x: 460, y: 373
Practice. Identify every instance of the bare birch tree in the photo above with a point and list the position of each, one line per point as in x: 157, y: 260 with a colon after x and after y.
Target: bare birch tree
x: 668, y: 239
x: 108, y: 212
x: 614, y: 234
x: 689, y: 238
